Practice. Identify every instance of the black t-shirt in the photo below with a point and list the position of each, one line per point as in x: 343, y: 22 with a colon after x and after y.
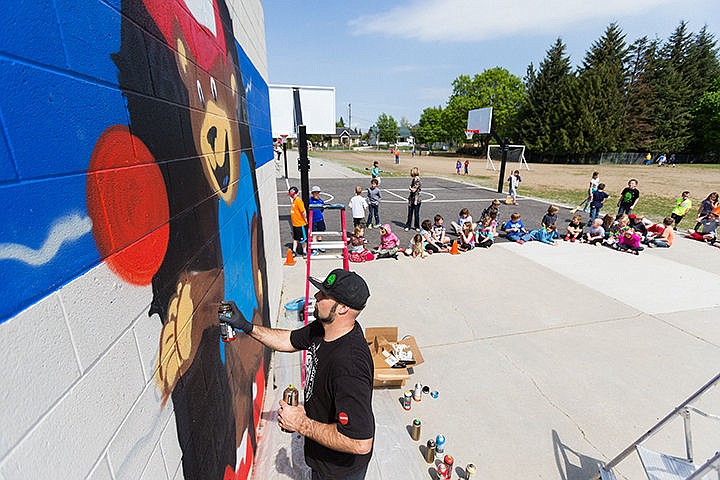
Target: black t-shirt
x: 629, y: 195
x: 338, y: 390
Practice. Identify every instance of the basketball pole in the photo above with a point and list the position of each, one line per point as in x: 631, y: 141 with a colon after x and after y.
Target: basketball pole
x: 504, y: 145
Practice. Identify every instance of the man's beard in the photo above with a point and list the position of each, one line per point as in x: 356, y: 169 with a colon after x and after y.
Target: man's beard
x: 330, y: 317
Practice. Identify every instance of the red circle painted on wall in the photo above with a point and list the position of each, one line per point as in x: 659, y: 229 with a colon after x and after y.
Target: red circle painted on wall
x: 343, y: 418
x: 127, y: 202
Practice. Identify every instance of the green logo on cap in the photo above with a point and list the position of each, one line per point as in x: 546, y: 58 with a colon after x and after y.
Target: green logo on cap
x: 331, y: 279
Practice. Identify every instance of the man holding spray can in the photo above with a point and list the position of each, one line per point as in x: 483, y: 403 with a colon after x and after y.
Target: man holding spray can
x: 337, y: 419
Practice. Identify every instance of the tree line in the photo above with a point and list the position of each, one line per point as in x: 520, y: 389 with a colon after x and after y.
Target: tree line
x: 651, y: 95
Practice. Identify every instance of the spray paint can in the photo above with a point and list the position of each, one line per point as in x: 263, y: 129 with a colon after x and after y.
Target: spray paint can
x: 415, y: 430
x: 227, y: 332
x: 290, y: 396
x: 439, y: 445
x: 470, y: 471
x: 407, y: 400
x: 417, y: 393
x: 442, y: 470
x: 449, y: 461
x: 430, y: 451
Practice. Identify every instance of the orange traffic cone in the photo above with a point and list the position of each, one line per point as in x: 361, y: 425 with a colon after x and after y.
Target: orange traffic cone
x: 289, y: 259
x: 454, y: 249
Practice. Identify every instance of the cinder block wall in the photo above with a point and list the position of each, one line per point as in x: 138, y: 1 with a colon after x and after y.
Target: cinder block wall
x: 137, y: 192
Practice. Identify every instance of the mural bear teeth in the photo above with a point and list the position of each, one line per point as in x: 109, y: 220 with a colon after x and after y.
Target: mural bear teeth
x: 222, y: 174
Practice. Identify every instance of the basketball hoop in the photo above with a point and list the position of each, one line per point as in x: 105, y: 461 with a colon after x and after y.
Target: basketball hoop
x: 469, y: 134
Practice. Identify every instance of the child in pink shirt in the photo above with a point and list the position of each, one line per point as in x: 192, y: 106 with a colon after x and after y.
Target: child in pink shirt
x: 629, y: 242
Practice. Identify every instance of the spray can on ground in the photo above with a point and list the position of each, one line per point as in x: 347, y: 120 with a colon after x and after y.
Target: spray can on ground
x: 439, y: 445
x: 227, y: 332
x: 415, y: 430
x: 290, y: 396
x: 442, y: 470
x: 449, y: 461
x: 407, y: 400
x: 470, y: 471
x: 430, y: 451
x: 417, y: 393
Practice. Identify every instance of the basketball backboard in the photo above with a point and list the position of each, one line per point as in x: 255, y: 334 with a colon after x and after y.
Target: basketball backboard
x: 479, y: 120
x: 317, y: 105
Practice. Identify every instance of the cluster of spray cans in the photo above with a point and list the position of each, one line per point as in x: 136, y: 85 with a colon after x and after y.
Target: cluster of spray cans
x: 414, y: 394
x: 435, y: 448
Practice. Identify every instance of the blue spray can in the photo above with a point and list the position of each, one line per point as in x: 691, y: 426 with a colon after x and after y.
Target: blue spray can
x: 439, y: 445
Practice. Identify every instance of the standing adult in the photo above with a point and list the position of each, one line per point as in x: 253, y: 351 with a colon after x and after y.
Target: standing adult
x: 298, y: 220
x: 336, y: 419
x: 628, y: 198
x: 414, y: 200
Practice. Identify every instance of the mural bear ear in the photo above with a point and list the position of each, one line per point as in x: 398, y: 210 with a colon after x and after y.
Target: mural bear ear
x: 181, y: 54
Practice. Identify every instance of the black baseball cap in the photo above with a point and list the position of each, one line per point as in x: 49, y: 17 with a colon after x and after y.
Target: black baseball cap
x: 292, y: 190
x: 344, y: 286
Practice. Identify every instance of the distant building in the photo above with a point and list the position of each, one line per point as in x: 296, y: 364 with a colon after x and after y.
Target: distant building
x: 343, y: 136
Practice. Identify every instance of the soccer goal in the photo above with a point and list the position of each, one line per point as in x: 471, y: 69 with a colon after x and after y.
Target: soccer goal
x: 516, y: 153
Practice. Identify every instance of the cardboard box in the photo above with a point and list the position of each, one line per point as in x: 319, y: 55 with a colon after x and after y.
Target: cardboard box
x: 380, y: 340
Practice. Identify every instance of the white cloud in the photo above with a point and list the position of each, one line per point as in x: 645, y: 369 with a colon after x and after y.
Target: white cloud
x: 476, y: 20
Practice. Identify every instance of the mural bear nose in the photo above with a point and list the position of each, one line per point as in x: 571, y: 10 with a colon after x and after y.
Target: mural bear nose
x: 211, y: 136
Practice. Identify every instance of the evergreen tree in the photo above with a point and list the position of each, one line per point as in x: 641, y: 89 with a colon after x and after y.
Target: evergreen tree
x: 640, y: 101
x: 672, y: 86
x: 600, y: 94
x: 703, y: 65
x: 706, y: 121
x: 546, y: 114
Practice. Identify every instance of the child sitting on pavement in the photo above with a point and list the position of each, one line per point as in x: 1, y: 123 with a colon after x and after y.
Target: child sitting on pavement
x: 463, y: 217
x: 550, y: 218
x: 665, y: 239
x: 707, y: 230
x: 608, y: 222
x: 596, y: 233
x: 546, y: 234
x: 438, y: 231
x: 430, y: 244
x: 617, y: 229
x: 416, y: 249
x: 574, y: 229
x: 637, y: 223
x: 515, y: 229
x: 494, y: 206
x: 487, y: 231
x: 389, y: 243
x: 629, y: 242
x: 356, y: 242
x: 467, y: 237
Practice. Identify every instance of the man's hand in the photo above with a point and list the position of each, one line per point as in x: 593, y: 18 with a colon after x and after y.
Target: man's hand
x: 238, y: 320
x: 291, y: 418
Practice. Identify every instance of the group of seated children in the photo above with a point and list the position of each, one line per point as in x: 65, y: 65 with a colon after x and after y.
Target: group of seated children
x: 626, y: 233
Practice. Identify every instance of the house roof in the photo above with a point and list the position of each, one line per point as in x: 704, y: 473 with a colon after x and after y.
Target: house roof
x: 345, y: 132
x: 404, y: 131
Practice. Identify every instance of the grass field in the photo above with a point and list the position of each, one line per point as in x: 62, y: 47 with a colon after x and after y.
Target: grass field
x: 565, y: 184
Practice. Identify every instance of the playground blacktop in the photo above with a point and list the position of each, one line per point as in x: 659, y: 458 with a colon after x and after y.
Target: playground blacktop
x: 547, y: 360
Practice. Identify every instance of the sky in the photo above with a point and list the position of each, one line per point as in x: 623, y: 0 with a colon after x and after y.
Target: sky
x: 401, y: 57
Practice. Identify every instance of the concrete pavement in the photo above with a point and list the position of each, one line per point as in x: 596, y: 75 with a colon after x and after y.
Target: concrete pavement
x: 547, y: 359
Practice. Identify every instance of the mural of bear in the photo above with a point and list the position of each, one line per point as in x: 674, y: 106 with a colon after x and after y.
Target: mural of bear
x: 188, y: 150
